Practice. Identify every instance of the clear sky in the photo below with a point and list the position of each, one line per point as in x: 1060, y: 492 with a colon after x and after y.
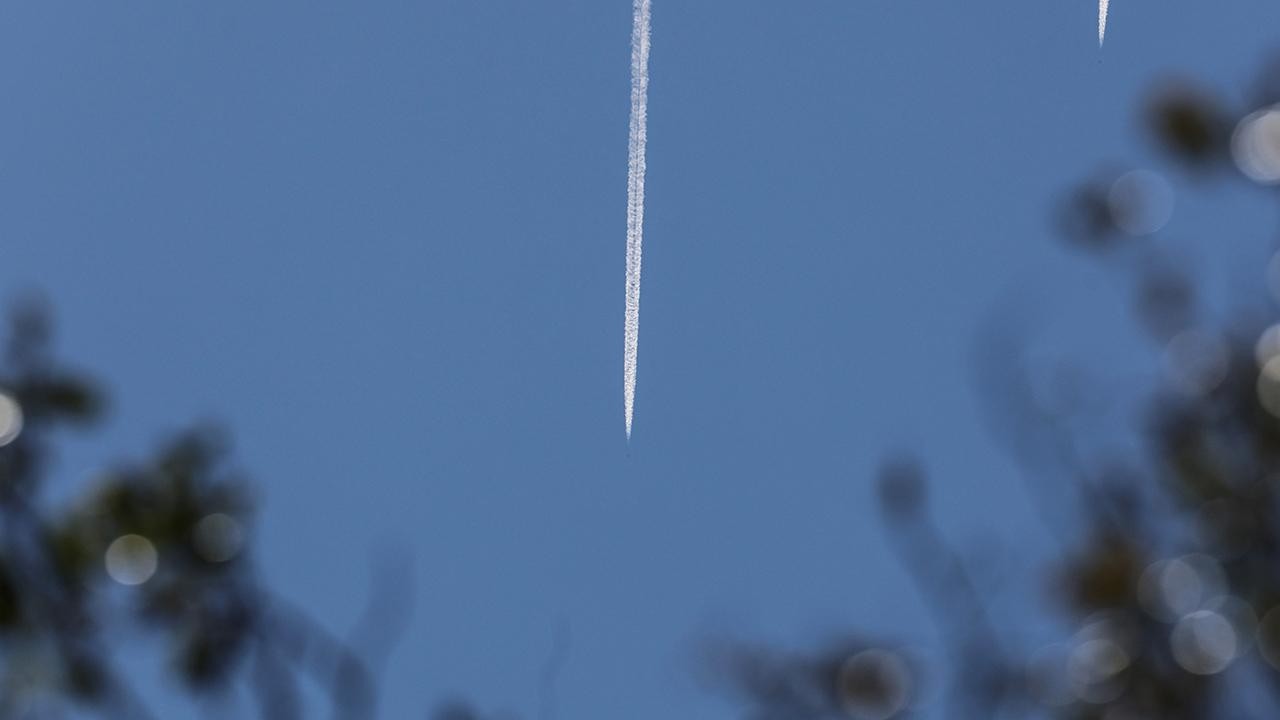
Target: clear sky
x: 384, y: 242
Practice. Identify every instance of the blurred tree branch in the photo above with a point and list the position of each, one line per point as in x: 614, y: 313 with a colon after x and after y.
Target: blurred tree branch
x: 167, y: 535
x: 1169, y: 575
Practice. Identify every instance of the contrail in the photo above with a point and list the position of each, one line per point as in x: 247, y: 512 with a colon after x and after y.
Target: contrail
x: 1102, y: 20
x: 635, y: 202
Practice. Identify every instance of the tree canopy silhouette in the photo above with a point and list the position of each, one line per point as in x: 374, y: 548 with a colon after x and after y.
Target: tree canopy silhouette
x: 156, y: 544
x: 1170, y: 573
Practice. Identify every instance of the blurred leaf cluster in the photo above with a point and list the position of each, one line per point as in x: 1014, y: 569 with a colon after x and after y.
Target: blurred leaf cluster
x: 152, y: 547
x: 1168, y: 583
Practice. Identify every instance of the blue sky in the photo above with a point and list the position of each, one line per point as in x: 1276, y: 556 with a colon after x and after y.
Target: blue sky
x: 384, y: 243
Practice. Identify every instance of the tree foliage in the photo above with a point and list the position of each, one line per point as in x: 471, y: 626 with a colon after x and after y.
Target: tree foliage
x: 1169, y: 578
x: 154, y: 546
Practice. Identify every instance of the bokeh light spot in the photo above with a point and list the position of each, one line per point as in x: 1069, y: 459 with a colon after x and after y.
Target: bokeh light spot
x: 217, y: 537
x: 1196, y: 362
x: 1242, y: 618
x: 1171, y: 589
x: 131, y: 560
x: 1204, y: 643
x: 1269, y: 637
x: 1255, y: 145
x: 10, y: 419
x: 1140, y: 202
x: 1268, y: 346
x: 1269, y: 386
x: 1047, y: 678
x: 1094, y: 666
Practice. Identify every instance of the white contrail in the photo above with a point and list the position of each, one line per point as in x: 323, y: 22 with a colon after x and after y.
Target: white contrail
x: 635, y: 202
x: 1102, y: 21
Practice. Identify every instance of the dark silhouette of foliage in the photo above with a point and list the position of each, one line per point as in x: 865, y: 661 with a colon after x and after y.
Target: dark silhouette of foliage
x: 1170, y: 576
x: 169, y: 529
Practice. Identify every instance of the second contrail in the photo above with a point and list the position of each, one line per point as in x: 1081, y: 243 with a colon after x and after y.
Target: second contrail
x: 635, y: 202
